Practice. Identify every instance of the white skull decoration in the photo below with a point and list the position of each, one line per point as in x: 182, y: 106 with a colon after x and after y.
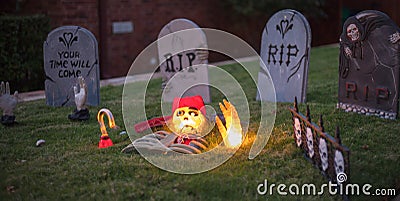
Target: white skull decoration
x: 310, y: 142
x: 323, y: 153
x: 339, y: 162
x: 297, y: 131
x: 353, y: 32
x: 188, y: 120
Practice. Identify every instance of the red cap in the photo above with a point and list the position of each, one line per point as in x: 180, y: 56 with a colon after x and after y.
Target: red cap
x: 192, y: 101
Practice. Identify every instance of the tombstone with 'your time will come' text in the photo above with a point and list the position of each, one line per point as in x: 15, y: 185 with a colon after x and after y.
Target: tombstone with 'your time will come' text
x: 70, y: 52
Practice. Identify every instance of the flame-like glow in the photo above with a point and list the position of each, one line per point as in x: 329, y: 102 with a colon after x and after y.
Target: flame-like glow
x: 232, y: 133
x: 100, y: 119
x: 105, y: 140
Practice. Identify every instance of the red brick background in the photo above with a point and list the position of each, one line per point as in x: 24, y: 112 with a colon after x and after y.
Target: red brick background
x: 118, y: 51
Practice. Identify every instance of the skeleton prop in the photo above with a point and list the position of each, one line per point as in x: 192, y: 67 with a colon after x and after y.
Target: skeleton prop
x: 352, y: 32
x: 297, y: 130
x: 323, y: 152
x: 80, y: 91
x: 8, y: 103
x: 189, y: 125
x: 310, y: 143
x: 339, y: 162
x: 321, y: 149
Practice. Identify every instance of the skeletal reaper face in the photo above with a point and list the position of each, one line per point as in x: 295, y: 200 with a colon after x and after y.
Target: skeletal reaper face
x: 353, y: 32
x: 339, y: 162
x: 297, y: 130
x: 310, y: 143
x: 323, y: 153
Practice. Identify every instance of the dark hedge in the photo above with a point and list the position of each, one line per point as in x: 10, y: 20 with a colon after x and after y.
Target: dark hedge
x: 21, y: 51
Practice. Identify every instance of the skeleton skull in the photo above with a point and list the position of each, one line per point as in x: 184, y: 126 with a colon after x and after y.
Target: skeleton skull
x: 353, y: 32
x: 339, y: 162
x: 297, y: 131
x: 187, y: 120
x: 323, y: 153
x: 310, y: 143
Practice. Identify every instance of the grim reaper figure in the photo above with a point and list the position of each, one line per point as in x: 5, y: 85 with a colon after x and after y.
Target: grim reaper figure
x: 369, y: 62
x: 354, y: 43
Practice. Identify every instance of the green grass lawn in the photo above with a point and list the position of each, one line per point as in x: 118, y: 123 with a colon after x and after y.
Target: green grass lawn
x: 71, y: 167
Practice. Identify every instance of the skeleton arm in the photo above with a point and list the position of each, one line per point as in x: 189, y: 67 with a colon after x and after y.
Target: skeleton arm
x: 348, y: 52
x: 80, y: 94
x: 7, y: 101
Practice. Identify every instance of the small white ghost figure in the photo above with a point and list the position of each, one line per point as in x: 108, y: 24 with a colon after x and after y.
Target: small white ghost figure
x: 310, y: 142
x: 297, y: 131
x: 339, y: 162
x: 323, y: 153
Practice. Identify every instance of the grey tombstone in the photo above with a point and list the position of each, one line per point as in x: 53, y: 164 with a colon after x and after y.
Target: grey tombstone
x: 70, y: 52
x: 285, y: 51
x: 369, y: 66
x: 183, y: 56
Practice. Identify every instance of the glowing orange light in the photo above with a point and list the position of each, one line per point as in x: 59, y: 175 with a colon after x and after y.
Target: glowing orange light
x: 232, y: 134
x: 105, y: 140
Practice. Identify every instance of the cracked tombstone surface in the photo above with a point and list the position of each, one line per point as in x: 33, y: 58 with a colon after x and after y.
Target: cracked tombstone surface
x: 369, y: 65
x: 285, y: 51
x: 70, y: 52
x: 184, y: 58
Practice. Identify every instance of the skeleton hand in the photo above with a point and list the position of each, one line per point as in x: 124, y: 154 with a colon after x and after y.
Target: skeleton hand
x: 80, y: 94
x: 202, y: 54
x: 232, y: 136
x: 7, y: 101
x: 394, y: 38
x: 347, y: 51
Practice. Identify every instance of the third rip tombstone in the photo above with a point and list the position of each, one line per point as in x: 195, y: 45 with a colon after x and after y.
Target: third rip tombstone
x: 285, y: 51
x: 369, y: 65
x: 182, y: 51
x: 70, y: 52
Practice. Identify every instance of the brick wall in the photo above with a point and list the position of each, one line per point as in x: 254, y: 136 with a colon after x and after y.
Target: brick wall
x: 148, y: 18
x: 62, y: 12
x: 118, y: 51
